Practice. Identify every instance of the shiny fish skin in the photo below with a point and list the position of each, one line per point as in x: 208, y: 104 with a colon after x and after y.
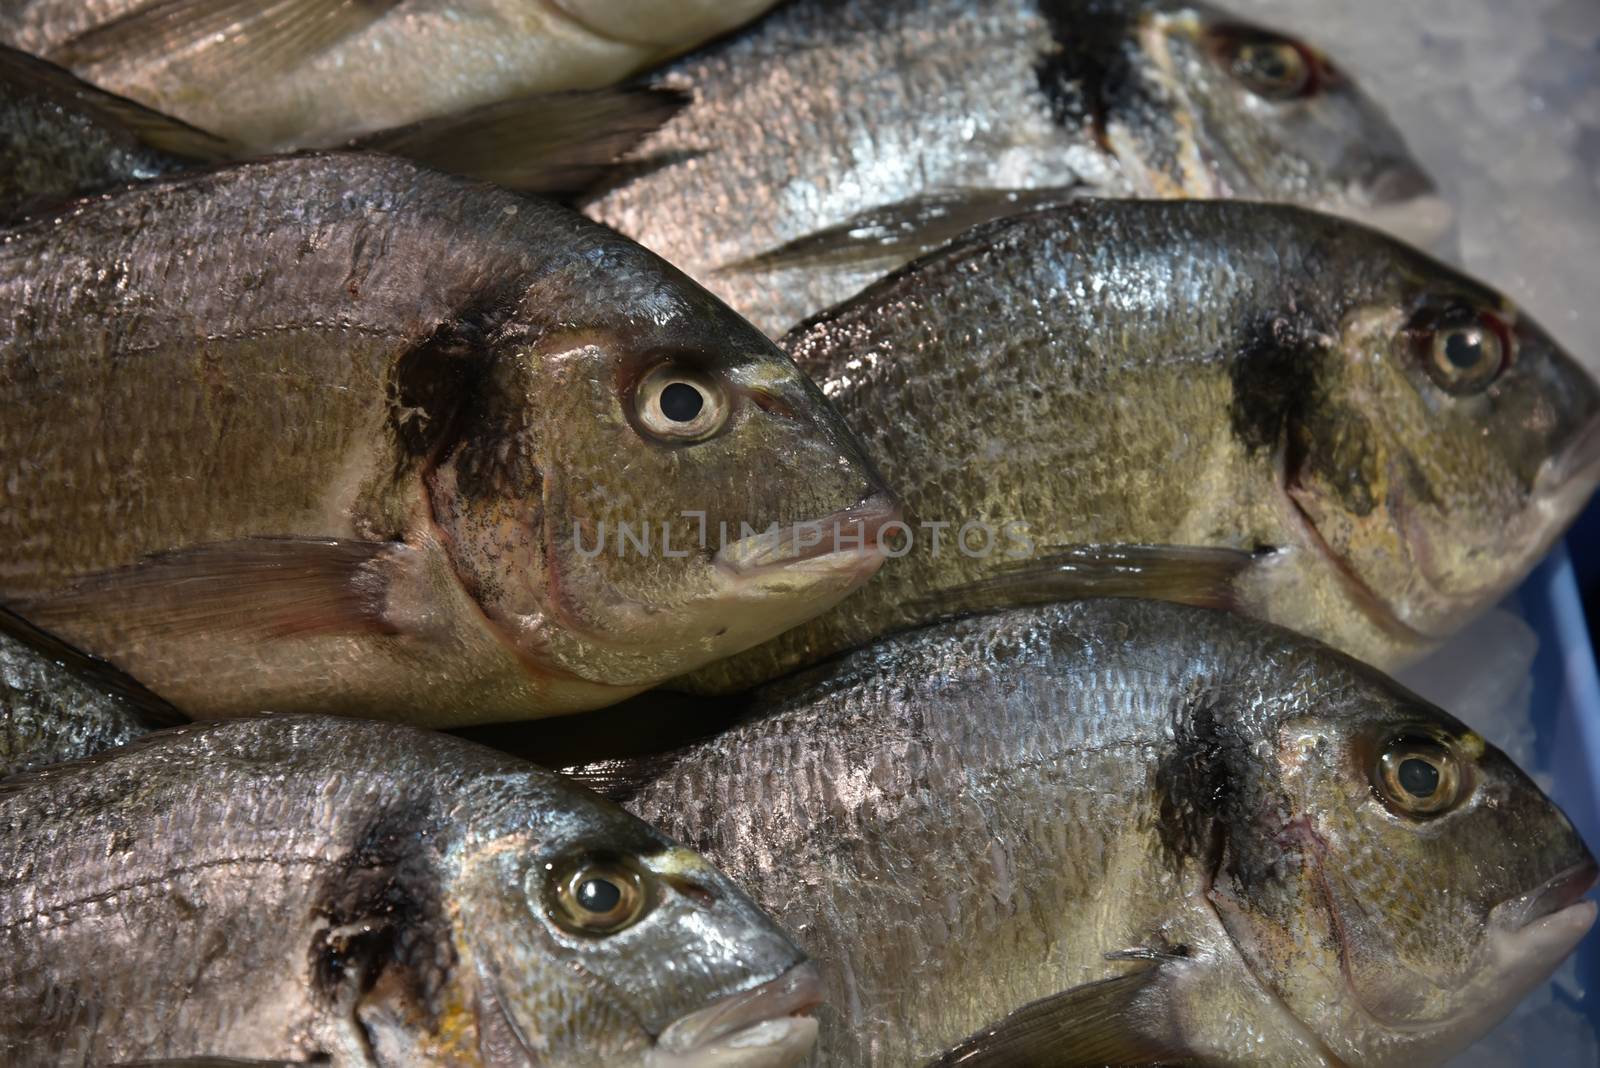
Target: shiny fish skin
x: 294, y: 887
x: 418, y: 59
x: 1224, y: 375
x: 829, y: 109
x: 960, y: 820
x: 322, y: 434
x: 55, y: 708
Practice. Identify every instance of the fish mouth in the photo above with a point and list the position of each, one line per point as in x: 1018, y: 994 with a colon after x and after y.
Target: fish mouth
x: 1574, y: 470
x: 1403, y: 201
x: 764, y: 1027
x: 1556, y: 895
x: 844, y: 538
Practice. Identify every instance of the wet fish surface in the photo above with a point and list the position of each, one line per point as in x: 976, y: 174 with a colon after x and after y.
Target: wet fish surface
x: 316, y: 73
x: 58, y: 705
x: 838, y: 139
x: 1248, y: 405
x: 313, y: 890
x: 339, y: 434
x: 1129, y: 832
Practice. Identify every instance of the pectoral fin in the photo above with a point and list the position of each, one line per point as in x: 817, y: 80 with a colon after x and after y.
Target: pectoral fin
x: 1115, y: 1023
x: 257, y: 587
x: 892, y: 234
x: 1206, y: 577
x: 241, y: 35
x: 28, y: 75
x: 551, y: 143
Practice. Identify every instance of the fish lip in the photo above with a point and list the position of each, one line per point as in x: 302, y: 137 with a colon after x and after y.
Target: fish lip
x: 795, y: 993
x: 1400, y: 182
x: 1575, y: 465
x: 861, y: 525
x: 1556, y: 894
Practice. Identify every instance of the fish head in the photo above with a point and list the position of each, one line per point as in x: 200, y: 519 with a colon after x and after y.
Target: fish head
x: 589, y: 939
x: 1442, y: 440
x: 1395, y: 880
x: 650, y: 483
x: 1254, y: 114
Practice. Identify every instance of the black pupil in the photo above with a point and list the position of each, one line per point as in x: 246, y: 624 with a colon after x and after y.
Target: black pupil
x: 1271, y: 64
x: 1464, y: 349
x: 681, y: 402
x: 1418, y: 777
x: 599, y: 895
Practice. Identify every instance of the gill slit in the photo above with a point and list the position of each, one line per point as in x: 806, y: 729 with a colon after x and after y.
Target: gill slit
x: 448, y: 545
x: 1363, y: 595
x: 1271, y: 996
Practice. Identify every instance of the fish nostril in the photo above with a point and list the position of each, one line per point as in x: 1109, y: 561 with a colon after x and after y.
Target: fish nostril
x: 697, y: 892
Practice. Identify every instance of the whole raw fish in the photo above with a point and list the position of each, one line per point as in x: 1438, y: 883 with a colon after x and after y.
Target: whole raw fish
x: 1232, y: 403
x: 299, y: 890
x: 837, y: 139
x: 1131, y: 833
x: 338, y: 434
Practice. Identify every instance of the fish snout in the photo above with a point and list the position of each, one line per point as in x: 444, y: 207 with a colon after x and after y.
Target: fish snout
x: 1404, y: 200
x: 852, y: 534
x: 767, y: 1026
x: 1576, y: 468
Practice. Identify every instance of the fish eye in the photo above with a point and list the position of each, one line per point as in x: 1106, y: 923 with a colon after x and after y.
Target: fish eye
x: 680, y: 405
x: 596, y: 897
x: 1419, y: 777
x: 1270, y: 66
x: 1463, y: 349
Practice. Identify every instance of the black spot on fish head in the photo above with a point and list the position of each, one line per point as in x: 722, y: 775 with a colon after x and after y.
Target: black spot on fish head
x: 1274, y: 378
x: 382, y: 917
x: 1088, y: 72
x: 436, y: 385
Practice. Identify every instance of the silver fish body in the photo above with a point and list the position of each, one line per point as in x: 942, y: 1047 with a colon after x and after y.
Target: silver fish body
x: 334, y: 433
x: 837, y: 139
x: 312, y: 890
x: 1155, y: 833
x: 316, y: 73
